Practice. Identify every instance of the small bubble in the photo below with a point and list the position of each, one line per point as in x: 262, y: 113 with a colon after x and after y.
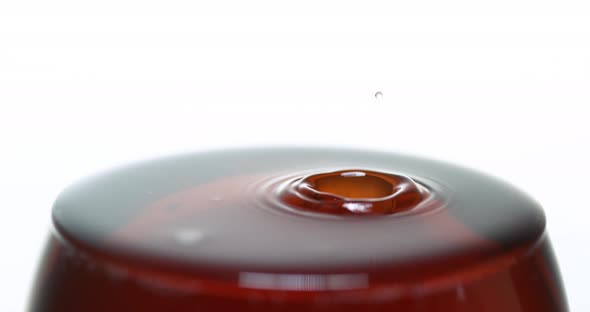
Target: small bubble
x: 379, y: 95
x: 188, y: 236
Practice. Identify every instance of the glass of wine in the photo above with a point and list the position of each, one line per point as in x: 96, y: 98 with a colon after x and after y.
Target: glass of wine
x: 296, y: 230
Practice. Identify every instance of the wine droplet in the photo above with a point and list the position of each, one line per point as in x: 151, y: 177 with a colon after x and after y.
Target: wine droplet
x: 356, y: 192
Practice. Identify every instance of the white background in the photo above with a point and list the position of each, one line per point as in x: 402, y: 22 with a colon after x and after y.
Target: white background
x: 502, y: 86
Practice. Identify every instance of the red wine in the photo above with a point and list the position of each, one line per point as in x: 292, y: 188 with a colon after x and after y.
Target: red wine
x: 297, y: 230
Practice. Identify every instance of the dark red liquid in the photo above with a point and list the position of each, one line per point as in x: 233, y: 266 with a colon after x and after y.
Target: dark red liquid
x: 297, y: 230
x: 353, y: 192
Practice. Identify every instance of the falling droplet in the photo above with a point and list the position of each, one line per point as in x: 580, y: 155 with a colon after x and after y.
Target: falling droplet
x: 379, y: 95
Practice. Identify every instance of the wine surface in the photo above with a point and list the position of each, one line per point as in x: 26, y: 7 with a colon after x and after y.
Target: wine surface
x: 297, y: 230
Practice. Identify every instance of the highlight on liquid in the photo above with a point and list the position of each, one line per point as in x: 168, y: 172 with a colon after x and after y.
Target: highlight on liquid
x: 296, y: 230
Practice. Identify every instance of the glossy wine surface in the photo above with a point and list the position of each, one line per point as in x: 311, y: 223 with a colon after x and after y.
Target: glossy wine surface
x: 297, y: 230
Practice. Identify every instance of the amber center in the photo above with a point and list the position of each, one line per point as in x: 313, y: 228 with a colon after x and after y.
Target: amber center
x: 351, y: 184
x: 358, y: 192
